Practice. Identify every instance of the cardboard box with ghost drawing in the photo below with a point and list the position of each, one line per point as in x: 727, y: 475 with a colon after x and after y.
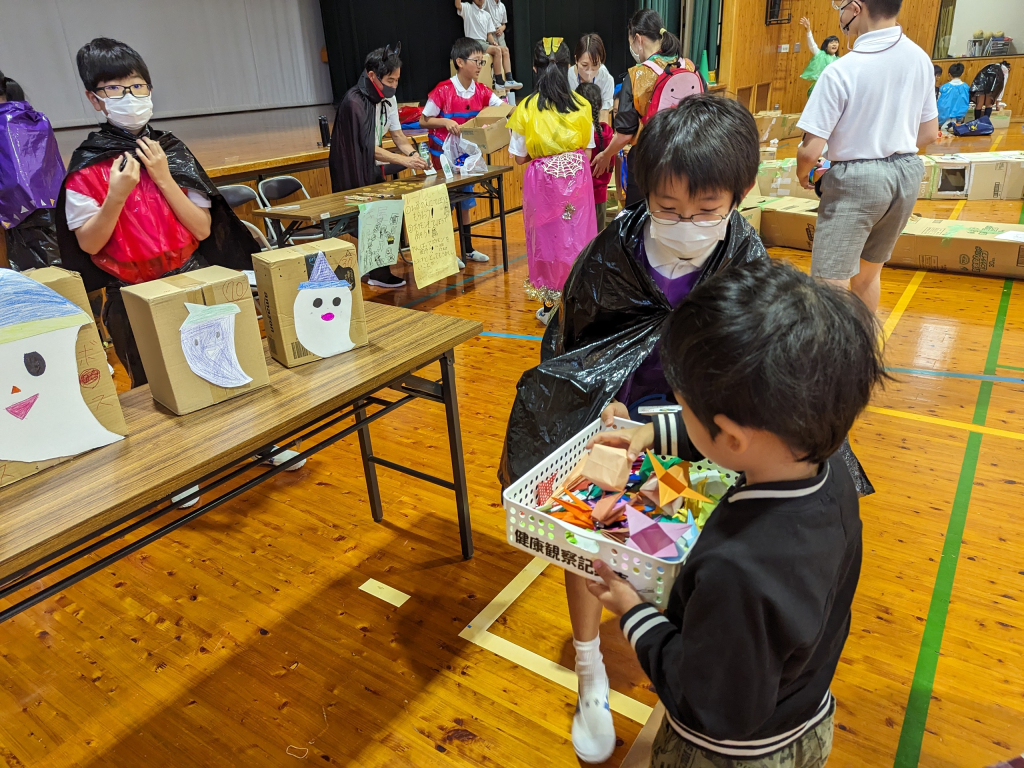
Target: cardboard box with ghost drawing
x: 981, y: 248
x: 198, y: 337
x: 290, y: 285
x: 57, y: 398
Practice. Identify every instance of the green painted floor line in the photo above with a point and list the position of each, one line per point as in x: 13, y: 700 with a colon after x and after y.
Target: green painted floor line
x: 1021, y: 221
x: 1010, y: 367
x: 908, y: 751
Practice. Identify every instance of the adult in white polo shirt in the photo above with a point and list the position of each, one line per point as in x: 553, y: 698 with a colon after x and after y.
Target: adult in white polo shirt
x: 875, y: 108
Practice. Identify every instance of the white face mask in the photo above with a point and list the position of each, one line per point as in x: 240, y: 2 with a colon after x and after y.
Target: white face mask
x: 129, y: 112
x: 683, y: 247
x: 634, y: 54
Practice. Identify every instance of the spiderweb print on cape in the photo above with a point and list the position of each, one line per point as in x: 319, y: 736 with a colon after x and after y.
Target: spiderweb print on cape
x: 564, y: 166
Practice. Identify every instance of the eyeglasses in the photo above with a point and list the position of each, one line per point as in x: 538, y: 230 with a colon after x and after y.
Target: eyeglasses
x: 478, y: 62
x: 139, y: 91
x: 698, y: 219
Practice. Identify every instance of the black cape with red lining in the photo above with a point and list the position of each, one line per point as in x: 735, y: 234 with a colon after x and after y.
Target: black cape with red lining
x: 352, y: 140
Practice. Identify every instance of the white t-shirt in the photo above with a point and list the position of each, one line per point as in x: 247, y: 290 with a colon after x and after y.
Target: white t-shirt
x: 432, y: 110
x: 498, y: 12
x: 871, y: 102
x: 80, y: 208
x: 476, y: 22
x: 603, y: 79
x: 385, y: 121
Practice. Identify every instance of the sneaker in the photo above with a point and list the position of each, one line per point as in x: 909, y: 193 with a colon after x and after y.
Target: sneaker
x: 383, y: 278
x: 462, y: 264
x: 476, y: 256
x: 283, y: 456
x: 544, y: 314
x: 183, y: 494
x: 593, y: 732
x: 513, y: 85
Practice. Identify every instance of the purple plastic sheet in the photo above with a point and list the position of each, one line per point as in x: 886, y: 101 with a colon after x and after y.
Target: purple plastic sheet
x: 31, y: 169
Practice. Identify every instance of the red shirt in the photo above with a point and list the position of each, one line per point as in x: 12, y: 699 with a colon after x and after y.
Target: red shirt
x: 601, y: 182
x: 457, y: 108
x: 148, y: 240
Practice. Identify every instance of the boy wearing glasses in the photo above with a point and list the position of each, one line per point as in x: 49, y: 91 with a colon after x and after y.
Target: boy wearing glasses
x: 136, y: 205
x: 453, y: 102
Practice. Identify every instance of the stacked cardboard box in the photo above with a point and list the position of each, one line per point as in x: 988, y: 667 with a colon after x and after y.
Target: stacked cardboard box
x: 789, y: 222
x: 777, y: 178
x: 943, y: 245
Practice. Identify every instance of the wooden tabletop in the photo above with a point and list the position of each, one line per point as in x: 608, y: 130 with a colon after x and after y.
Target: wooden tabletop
x: 330, y: 206
x: 164, y: 452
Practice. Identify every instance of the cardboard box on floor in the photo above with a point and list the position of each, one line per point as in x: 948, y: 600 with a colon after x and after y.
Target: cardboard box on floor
x: 94, y: 378
x: 961, y: 246
x: 1001, y: 118
x: 787, y: 129
x: 157, y: 311
x: 486, y: 72
x: 951, y: 177
x: 1014, y: 189
x: 995, y: 175
x: 925, y: 192
x: 789, y: 222
x: 489, y: 129
x: 777, y: 178
x: 750, y: 208
x: 278, y: 275
x: 765, y: 124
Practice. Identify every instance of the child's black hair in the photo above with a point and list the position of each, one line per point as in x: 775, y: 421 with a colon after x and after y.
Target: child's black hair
x: 955, y: 70
x: 830, y: 39
x: 882, y: 9
x: 383, y: 61
x: 464, y: 48
x: 593, y: 45
x: 552, y: 69
x: 712, y: 141
x: 10, y: 90
x: 592, y: 93
x: 773, y: 349
x: 938, y: 70
x: 648, y: 22
x: 106, y: 59
x: 1004, y: 63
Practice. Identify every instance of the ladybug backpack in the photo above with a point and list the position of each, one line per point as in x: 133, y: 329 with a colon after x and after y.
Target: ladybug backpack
x: 671, y: 87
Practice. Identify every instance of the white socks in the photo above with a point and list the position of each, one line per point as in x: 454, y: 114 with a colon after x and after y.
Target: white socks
x: 593, y: 732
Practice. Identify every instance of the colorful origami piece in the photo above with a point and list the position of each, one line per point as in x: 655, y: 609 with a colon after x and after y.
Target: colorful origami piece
x: 545, y: 490
x: 609, y: 509
x: 673, y: 483
x: 608, y: 468
x: 653, y: 538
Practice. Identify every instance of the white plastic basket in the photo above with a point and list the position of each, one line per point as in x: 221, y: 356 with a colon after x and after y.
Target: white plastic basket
x: 574, y: 548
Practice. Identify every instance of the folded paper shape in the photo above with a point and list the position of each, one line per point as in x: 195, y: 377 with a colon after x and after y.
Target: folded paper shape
x: 608, y: 468
x: 609, y: 509
x: 653, y: 538
x: 673, y: 483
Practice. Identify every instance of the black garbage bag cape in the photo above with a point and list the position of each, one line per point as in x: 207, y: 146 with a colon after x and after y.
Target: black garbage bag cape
x: 33, y: 243
x: 229, y: 244
x: 352, y: 140
x: 610, y: 320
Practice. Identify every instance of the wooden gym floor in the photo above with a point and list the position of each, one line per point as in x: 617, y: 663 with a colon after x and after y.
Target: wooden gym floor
x: 261, y: 635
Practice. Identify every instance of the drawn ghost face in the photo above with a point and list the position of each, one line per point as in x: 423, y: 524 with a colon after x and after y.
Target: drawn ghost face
x: 323, y: 316
x: 208, y: 341
x: 42, y: 413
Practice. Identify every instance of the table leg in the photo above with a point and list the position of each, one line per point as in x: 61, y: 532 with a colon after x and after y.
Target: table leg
x: 501, y: 216
x: 451, y: 408
x: 369, y: 468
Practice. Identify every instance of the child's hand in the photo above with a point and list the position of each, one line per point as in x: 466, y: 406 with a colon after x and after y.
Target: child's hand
x: 635, y: 441
x: 611, y: 411
x: 615, y: 593
x: 452, y: 127
x: 152, y: 156
x: 600, y: 164
x: 122, y: 182
x: 805, y: 23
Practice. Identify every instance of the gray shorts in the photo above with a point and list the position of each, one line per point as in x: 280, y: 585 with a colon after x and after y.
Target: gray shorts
x: 501, y: 40
x: 865, y: 204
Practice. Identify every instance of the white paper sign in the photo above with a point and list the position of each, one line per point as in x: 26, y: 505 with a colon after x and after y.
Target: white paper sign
x: 380, y: 227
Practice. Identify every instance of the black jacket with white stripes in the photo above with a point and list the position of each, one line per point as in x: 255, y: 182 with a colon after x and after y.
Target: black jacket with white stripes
x: 757, y: 617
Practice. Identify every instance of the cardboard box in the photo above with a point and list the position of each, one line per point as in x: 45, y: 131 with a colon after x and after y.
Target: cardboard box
x: 961, y: 246
x: 486, y: 71
x: 777, y: 178
x: 925, y: 192
x: 1014, y: 189
x: 765, y: 124
x: 157, y: 313
x: 787, y: 129
x: 951, y: 178
x: 94, y: 378
x: 789, y: 223
x: 278, y: 276
x: 987, y: 179
x: 769, y: 154
x: 489, y: 129
x: 750, y: 208
x: 1001, y: 118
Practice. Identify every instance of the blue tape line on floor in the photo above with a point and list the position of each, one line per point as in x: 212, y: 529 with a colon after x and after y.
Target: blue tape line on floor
x: 953, y: 375
x: 513, y: 336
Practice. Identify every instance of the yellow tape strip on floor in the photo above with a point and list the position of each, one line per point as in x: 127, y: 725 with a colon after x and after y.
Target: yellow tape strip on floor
x: 957, y: 209
x: 476, y: 632
x: 946, y: 423
x: 997, y: 142
x: 901, y: 305
x: 385, y: 593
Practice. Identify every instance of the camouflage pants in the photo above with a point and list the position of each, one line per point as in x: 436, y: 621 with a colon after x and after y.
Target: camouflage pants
x: 670, y: 750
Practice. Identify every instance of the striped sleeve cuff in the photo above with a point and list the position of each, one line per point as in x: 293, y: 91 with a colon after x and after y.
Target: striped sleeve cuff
x: 668, y: 428
x: 639, y: 621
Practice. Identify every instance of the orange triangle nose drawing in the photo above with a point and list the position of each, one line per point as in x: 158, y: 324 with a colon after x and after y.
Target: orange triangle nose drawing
x: 15, y: 390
